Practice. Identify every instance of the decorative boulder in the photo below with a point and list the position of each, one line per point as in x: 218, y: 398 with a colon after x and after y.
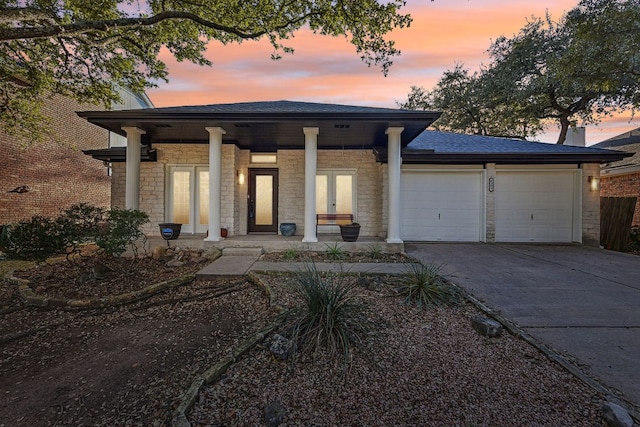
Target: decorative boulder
x: 487, y: 327
x: 615, y: 415
x: 281, y: 347
x: 274, y: 414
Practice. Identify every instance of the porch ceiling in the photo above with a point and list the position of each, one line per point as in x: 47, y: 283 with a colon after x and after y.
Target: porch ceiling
x: 266, y: 126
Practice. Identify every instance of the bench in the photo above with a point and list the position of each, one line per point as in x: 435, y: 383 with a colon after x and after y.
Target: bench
x: 345, y: 218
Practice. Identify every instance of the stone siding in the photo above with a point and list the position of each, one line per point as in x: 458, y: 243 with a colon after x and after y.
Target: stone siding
x: 590, y: 206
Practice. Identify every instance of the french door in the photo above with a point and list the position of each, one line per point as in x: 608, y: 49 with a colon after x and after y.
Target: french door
x: 335, y: 193
x: 263, y: 201
x: 188, y: 198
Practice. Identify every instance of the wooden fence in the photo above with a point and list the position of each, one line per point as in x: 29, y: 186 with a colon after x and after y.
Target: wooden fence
x: 616, y: 215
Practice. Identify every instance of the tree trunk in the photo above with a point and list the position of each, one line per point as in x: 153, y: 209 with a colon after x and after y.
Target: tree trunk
x: 564, y: 129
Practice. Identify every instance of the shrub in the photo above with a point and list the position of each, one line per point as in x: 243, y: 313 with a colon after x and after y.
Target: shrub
x: 36, y: 239
x: 375, y: 252
x: 122, y: 230
x: 331, y: 315
x: 81, y: 223
x: 335, y: 252
x: 634, y: 239
x: 424, y: 285
x: 291, y: 254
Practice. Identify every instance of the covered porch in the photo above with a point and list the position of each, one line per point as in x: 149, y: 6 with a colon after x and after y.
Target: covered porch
x: 208, y: 155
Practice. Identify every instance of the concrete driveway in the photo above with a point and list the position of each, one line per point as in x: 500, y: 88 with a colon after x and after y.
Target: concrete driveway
x: 583, y: 302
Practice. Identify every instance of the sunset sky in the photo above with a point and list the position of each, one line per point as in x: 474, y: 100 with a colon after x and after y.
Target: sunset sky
x: 327, y: 69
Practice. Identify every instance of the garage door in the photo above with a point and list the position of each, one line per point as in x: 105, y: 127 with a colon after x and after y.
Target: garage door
x: 441, y: 206
x: 535, y: 206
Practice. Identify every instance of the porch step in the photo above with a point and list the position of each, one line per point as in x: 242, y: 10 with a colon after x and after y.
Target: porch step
x: 242, y: 251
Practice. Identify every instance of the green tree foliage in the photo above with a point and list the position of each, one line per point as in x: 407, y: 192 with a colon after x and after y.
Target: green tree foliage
x: 583, y: 67
x: 468, y: 106
x: 85, y: 49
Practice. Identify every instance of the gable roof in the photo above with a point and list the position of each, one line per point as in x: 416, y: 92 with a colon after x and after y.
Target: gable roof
x: 628, y: 142
x: 268, y: 125
x: 445, y: 147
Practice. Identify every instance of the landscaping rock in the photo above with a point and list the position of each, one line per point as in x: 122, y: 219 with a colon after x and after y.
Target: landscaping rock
x: 615, y: 415
x: 487, y: 327
x: 175, y: 263
x: 281, y: 347
x: 159, y: 252
x: 274, y: 414
x: 212, y: 254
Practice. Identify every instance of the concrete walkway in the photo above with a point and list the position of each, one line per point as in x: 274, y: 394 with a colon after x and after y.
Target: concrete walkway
x: 232, y: 265
x: 583, y: 302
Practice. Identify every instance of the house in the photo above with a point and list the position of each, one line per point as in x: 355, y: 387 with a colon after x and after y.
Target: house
x: 250, y: 166
x: 44, y: 178
x: 622, y: 178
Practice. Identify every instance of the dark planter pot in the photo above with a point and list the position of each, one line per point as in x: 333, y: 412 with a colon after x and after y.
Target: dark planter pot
x: 170, y: 230
x: 287, y: 229
x: 350, y: 232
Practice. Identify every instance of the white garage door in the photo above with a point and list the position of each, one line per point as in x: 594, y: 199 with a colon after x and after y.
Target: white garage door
x: 441, y: 206
x: 535, y: 206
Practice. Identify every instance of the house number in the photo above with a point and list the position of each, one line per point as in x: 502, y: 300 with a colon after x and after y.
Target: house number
x: 491, y: 184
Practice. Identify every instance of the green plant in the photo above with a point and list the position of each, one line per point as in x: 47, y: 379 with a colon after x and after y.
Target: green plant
x: 35, y: 239
x: 424, y: 285
x: 375, y: 252
x: 122, y: 230
x: 331, y: 316
x: 335, y: 252
x: 81, y: 223
x: 634, y: 239
x: 291, y: 254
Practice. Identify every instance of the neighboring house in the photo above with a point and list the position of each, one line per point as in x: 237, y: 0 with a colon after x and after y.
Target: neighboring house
x: 250, y: 166
x: 622, y: 178
x: 45, y: 178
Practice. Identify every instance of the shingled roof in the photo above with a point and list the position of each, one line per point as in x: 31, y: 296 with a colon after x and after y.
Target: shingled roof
x: 628, y: 142
x: 446, y: 147
x: 268, y: 124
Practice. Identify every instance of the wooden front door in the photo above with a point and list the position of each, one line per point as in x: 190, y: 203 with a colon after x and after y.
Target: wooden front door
x: 263, y: 201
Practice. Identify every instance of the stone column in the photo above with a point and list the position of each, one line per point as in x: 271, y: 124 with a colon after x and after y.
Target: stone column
x: 132, y: 186
x: 310, y: 167
x: 394, y: 162
x: 215, y: 182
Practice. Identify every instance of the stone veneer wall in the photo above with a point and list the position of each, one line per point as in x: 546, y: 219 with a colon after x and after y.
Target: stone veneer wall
x: 153, y: 183
x: 590, y: 206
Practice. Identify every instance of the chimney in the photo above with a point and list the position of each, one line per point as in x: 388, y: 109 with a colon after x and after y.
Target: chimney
x: 576, y: 137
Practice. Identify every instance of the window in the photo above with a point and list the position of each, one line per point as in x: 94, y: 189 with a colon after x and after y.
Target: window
x: 265, y: 158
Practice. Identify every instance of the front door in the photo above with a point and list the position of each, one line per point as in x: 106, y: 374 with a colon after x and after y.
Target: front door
x: 189, y: 198
x: 263, y: 201
x: 335, y: 193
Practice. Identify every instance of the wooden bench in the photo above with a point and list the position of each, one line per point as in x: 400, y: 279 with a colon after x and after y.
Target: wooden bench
x: 345, y: 218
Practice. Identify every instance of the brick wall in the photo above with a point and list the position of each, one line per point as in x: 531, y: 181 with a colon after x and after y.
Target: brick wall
x: 623, y: 186
x: 58, y: 173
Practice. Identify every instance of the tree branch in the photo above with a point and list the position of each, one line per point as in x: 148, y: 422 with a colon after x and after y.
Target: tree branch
x: 81, y: 27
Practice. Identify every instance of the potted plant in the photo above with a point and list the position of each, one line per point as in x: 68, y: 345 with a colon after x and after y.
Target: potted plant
x: 287, y: 229
x: 350, y: 232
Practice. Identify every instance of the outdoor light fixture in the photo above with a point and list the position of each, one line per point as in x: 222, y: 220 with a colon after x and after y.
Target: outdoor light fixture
x: 240, y: 178
x: 594, y: 183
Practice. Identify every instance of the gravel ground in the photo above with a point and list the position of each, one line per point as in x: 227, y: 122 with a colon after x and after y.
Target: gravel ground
x: 129, y: 366
x: 426, y: 368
